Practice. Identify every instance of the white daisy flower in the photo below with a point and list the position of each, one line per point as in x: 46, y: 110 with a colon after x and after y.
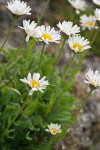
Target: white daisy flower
x: 93, y: 78
x: 68, y: 28
x: 18, y: 8
x: 78, y: 43
x: 97, y: 14
x: 78, y: 5
x: 97, y: 2
x: 29, y: 28
x: 47, y: 34
x: 54, y: 128
x: 88, y: 22
x: 35, y: 83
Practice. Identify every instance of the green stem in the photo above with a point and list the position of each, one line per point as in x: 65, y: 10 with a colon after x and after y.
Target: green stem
x: 94, y: 37
x: 60, y: 50
x: 69, y: 66
x: 14, y: 60
x: 77, y: 67
x: 86, y: 35
x: 42, y: 51
x: 71, y: 62
x: 90, y: 34
x: 23, y: 106
x: 78, y: 111
x: 48, y: 146
x: 81, y: 59
x: 9, y: 32
x: 43, y: 12
x: 21, y: 45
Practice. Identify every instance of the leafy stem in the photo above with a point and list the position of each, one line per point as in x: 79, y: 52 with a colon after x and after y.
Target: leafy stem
x: 15, y: 117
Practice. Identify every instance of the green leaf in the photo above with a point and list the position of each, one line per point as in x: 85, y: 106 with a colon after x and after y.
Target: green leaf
x: 51, y: 103
x: 8, y: 133
x: 15, y: 90
x: 9, y: 119
x: 61, y: 116
x: 9, y: 107
x: 9, y: 112
x: 31, y: 127
x: 32, y: 105
x: 37, y: 120
x: 28, y: 137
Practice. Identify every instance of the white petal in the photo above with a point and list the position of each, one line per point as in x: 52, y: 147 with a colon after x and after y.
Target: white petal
x: 47, y: 130
x: 24, y: 80
x: 27, y: 38
x: 31, y: 92
x: 29, y: 78
x: 36, y: 76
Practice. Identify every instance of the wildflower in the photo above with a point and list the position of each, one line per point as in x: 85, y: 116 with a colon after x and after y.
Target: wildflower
x: 68, y: 28
x: 97, y: 2
x: 93, y: 78
x: 29, y: 28
x: 35, y: 83
x: 47, y: 34
x: 54, y: 128
x: 88, y: 22
x: 97, y: 14
x: 19, y: 8
x: 78, y: 43
x: 78, y: 5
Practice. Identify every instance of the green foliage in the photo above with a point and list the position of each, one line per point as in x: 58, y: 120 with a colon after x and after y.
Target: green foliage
x: 24, y: 118
x: 54, y: 105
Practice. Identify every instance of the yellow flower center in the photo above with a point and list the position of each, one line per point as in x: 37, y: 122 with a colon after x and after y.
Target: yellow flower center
x: 78, y: 46
x: 46, y: 36
x: 35, y: 83
x: 54, y: 130
x: 94, y: 81
x: 90, y: 23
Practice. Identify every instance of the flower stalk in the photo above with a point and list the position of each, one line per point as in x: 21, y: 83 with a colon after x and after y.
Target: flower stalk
x: 94, y: 37
x: 9, y: 33
x: 61, y: 50
x: 71, y: 62
x: 43, y: 12
x: 69, y: 66
x: 80, y: 108
x: 42, y: 51
x: 48, y: 146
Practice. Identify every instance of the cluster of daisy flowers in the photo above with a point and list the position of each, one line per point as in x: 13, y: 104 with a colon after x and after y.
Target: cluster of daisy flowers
x: 91, y: 21
x: 48, y: 34
x: 43, y: 33
x: 88, y: 22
